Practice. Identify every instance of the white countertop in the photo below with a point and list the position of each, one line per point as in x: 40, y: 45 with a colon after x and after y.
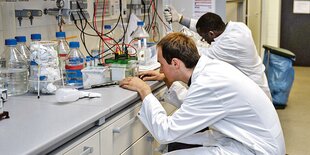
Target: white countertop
x: 37, y: 126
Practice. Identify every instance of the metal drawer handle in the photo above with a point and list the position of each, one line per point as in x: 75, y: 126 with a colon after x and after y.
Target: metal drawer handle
x: 119, y: 129
x: 87, y: 150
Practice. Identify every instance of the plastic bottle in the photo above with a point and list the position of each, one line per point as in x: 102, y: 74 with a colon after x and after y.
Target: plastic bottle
x: 22, y: 47
x: 14, y: 72
x: 141, y: 35
x: 74, y: 64
x: 63, y: 50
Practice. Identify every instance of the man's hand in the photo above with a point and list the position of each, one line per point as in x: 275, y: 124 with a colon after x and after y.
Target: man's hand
x: 171, y: 15
x: 151, y: 76
x: 136, y: 84
x: 154, y: 76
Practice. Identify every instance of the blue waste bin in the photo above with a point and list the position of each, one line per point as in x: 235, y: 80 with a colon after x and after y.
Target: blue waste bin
x: 280, y: 73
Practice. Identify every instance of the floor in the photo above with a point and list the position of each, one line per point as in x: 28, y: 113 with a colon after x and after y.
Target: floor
x: 295, y: 118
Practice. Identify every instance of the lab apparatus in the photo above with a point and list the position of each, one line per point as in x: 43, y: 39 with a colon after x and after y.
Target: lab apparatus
x: 22, y: 47
x: 45, y: 75
x: 13, y: 69
x: 63, y: 50
x: 75, y: 62
x: 109, y: 47
x: 121, y: 69
x: 95, y: 76
x: 140, y: 35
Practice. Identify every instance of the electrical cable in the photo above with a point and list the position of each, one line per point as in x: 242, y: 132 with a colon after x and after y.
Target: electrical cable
x: 98, y: 34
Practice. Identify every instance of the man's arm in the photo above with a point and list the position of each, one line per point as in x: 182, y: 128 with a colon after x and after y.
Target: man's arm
x: 172, y: 15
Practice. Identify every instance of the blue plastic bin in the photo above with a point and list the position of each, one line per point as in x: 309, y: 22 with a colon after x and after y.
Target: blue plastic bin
x: 280, y: 73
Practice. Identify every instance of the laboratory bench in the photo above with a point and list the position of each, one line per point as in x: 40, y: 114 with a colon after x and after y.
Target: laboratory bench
x: 97, y: 126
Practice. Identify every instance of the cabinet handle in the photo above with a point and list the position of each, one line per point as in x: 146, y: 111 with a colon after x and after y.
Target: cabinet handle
x: 87, y: 150
x: 119, y: 129
x: 150, y: 138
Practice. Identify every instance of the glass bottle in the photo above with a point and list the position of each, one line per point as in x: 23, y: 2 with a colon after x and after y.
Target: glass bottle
x: 75, y: 62
x: 141, y: 35
x: 22, y: 47
x: 13, y: 69
x: 35, y: 37
x: 63, y: 50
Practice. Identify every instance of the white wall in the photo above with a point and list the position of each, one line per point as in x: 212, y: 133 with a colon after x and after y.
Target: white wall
x: 46, y: 25
x: 271, y: 17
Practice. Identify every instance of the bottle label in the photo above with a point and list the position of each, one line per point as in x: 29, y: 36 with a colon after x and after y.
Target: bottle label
x: 77, y: 67
x: 74, y: 76
x: 62, y: 55
x: 76, y: 61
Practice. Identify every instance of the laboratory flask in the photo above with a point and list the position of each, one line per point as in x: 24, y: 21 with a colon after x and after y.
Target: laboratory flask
x: 14, y: 70
x: 75, y: 62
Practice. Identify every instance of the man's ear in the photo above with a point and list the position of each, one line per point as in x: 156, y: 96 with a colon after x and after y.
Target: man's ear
x: 212, y: 34
x: 175, y: 63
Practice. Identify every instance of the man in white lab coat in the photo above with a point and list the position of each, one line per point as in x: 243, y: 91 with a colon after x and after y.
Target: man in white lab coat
x: 231, y: 42
x: 239, y: 114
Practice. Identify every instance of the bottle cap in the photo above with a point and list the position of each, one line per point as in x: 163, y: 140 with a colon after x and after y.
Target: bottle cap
x: 74, y: 44
x: 36, y: 36
x: 20, y: 39
x: 60, y: 34
x: 140, y: 23
x: 10, y: 42
x: 107, y: 27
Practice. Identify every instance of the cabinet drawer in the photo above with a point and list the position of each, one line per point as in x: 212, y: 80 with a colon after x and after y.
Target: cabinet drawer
x: 144, y: 146
x: 88, y: 147
x: 122, y: 134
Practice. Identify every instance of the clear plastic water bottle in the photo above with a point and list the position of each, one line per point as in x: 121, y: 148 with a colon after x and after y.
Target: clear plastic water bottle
x: 13, y: 69
x: 22, y: 47
x: 141, y: 35
x: 63, y: 50
x: 75, y: 62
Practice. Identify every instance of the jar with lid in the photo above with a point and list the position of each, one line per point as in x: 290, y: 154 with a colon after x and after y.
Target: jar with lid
x: 13, y: 69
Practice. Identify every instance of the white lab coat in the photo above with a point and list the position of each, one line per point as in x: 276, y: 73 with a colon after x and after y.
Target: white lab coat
x: 241, y: 118
x: 236, y: 46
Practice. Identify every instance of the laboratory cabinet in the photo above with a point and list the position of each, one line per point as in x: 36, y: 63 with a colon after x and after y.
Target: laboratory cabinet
x: 88, y: 147
x: 122, y: 133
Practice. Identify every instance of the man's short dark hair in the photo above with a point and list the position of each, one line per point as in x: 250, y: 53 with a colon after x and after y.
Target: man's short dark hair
x: 178, y: 45
x: 210, y: 22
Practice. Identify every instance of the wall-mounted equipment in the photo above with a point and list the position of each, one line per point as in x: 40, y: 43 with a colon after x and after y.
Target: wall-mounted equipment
x: 68, y: 11
x: 112, y: 9
x: 29, y: 13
